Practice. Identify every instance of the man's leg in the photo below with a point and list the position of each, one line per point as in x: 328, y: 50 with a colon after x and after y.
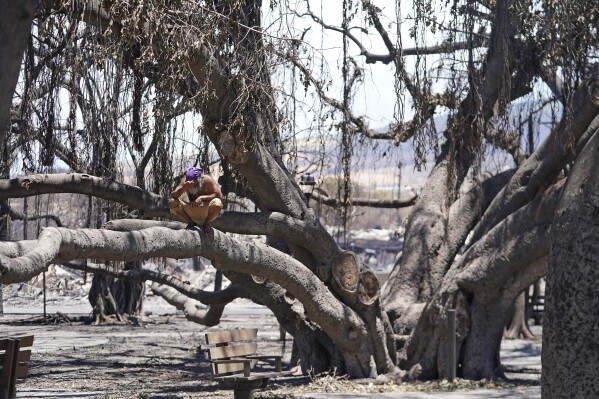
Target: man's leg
x: 177, y: 210
x: 214, y: 210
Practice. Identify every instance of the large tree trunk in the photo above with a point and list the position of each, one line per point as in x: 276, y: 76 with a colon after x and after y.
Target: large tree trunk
x: 4, y: 211
x: 518, y: 325
x: 15, y: 26
x: 482, y: 286
x: 570, y: 338
x: 115, y: 299
x: 434, y: 242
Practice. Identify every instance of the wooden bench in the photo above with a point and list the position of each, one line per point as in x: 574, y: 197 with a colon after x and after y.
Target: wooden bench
x: 14, y: 360
x: 232, y: 357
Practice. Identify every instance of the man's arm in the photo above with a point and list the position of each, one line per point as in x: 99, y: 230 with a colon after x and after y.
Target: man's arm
x: 180, y: 189
x: 210, y: 190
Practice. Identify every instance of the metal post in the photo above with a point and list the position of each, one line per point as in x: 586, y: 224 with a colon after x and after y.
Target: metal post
x: 451, y: 355
x: 44, y: 287
x: 1, y: 301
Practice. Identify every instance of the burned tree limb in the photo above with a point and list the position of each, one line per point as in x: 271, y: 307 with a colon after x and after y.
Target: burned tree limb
x: 140, y: 224
x: 523, y: 238
x: 151, y: 205
x: 538, y: 171
x: 183, y: 287
x: 207, y: 317
x: 59, y: 245
x: 372, y: 203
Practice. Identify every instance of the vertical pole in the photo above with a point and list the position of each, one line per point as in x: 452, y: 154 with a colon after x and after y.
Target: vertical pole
x: 44, y: 289
x: 1, y: 301
x: 451, y: 355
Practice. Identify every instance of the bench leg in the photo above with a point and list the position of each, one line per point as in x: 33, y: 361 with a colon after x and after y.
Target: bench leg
x: 243, y: 393
x: 9, y: 370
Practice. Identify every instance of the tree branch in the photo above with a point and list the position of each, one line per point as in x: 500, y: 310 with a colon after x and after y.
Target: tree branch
x: 152, y: 205
x: 544, y: 164
x: 60, y: 245
x: 372, y: 203
x: 223, y: 297
x: 519, y: 239
x: 20, y: 216
x: 209, y: 317
x: 370, y: 57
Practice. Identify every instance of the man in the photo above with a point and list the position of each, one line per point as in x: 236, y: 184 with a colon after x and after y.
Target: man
x: 197, y: 199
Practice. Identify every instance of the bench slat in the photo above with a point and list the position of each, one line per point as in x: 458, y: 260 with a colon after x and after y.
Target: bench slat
x: 253, y: 376
x: 221, y: 352
x: 22, y: 357
x: 219, y: 337
x: 22, y: 370
x: 231, y: 362
x: 228, y: 368
x: 24, y: 341
x: 23, y: 366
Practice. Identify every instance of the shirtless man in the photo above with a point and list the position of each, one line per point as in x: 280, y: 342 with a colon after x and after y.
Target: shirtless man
x: 197, y: 199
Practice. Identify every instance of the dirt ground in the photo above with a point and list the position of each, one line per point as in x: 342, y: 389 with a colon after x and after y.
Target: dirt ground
x: 162, y: 355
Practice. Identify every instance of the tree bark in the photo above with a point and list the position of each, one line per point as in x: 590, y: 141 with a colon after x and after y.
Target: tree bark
x: 15, y: 26
x: 115, y: 298
x: 482, y: 286
x: 570, y: 336
x: 518, y: 326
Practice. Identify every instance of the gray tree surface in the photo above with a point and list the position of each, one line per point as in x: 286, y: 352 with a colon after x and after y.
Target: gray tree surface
x: 569, y: 329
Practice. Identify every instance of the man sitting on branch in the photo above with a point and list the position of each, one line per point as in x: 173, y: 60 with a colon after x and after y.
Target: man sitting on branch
x: 197, y: 199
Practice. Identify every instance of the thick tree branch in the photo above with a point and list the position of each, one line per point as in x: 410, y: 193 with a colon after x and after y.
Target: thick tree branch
x: 59, y: 245
x: 303, y: 233
x: 184, y: 287
x: 152, y: 205
x: 463, y: 214
x: 372, y: 203
x: 140, y: 224
x: 544, y: 164
x: 15, y: 26
x: 523, y: 279
x: 207, y: 317
x: 520, y: 239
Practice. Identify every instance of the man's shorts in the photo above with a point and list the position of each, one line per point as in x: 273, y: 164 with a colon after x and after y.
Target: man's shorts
x: 198, y: 213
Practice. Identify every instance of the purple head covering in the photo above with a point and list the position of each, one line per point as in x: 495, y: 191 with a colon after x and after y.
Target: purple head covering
x: 193, y: 173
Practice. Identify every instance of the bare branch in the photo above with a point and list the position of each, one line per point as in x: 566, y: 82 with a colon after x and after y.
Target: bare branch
x: 521, y: 239
x: 208, y: 317
x: 152, y: 205
x: 370, y: 57
x: 223, y: 297
x: 20, y: 216
x: 373, y: 13
x: 447, y: 47
x: 546, y: 162
x: 373, y: 203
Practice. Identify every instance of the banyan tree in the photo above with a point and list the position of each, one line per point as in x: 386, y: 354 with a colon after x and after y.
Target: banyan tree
x: 107, y: 80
